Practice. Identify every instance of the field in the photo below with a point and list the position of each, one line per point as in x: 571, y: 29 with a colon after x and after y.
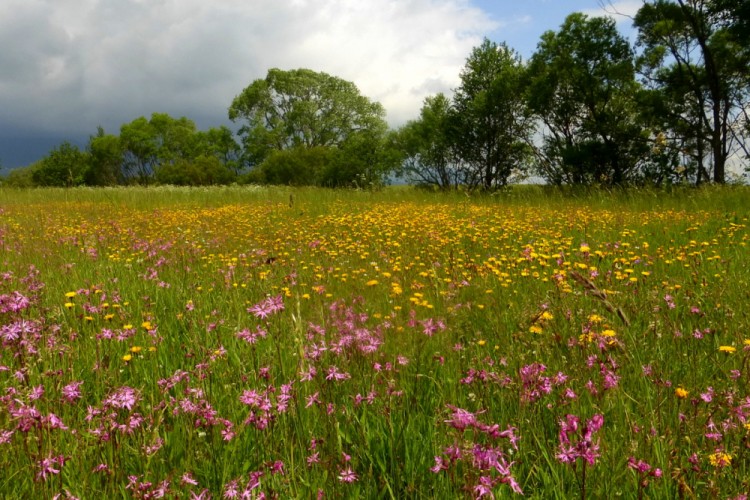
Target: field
x: 277, y: 343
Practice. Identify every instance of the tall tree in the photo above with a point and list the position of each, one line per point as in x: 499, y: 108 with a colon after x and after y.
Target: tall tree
x: 106, y: 157
x: 493, y: 126
x: 693, y: 44
x: 148, y: 144
x: 582, y: 87
x: 431, y: 153
x: 303, y: 109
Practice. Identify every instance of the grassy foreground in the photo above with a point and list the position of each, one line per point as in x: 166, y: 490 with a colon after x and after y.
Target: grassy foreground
x: 253, y: 342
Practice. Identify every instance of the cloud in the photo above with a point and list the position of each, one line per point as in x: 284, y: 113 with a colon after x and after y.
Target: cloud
x: 76, y: 64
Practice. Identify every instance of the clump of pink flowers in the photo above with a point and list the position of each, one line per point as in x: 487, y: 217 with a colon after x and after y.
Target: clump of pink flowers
x: 267, y: 307
x: 488, y: 460
x: 577, y: 441
x: 644, y: 471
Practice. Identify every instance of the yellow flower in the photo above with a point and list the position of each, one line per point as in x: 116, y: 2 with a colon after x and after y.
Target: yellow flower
x: 372, y: 283
x: 608, y: 333
x: 127, y: 358
x: 720, y: 459
x: 147, y: 325
x: 135, y: 349
x: 482, y: 342
x: 69, y: 305
x: 681, y: 393
x: 727, y: 349
x: 70, y: 295
x: 535, y: 329
x: 546, y: 316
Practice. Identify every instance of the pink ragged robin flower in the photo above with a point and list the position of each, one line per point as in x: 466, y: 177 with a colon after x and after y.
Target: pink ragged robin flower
x: 584, y: 447
x: 72, y: 392
x: 347, y: 475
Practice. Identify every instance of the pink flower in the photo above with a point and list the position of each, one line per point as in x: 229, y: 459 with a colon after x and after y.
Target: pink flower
x: 55, y: 422
x: 584, y: 447
x: 36, y: 393
x: 123, y: 397
x: 312, y: 400
x: 334, y: 374
x: 313, y: 459
x: 5, y: 437
x: 484, y: 487
x: 440, y: 465
x: 72, y: 391
x: 101, y: 468
x: 461, y: 419
x: 150, y: 450
x: 251, y: 337
x: 708, y: 396
x: 277, y: 467
x: 187, y: 478
x: 231, y: 489
x: 48, y: 466
x: 308, y: 375
x: 267, y: 307
x: 347, y: 475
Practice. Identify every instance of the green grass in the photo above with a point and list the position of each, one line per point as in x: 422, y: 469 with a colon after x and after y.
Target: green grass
x: 430, y: 307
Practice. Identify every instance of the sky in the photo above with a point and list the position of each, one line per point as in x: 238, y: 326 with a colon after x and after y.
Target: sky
x: 69, y: 66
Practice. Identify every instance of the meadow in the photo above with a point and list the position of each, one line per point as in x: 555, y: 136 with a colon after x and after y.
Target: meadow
x: 248, y: 342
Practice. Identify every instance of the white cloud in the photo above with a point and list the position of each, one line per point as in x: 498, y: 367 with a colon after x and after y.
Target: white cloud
x: 79, y: 63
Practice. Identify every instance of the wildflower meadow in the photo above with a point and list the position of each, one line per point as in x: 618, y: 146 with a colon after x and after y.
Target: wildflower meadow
x: 245, y: 342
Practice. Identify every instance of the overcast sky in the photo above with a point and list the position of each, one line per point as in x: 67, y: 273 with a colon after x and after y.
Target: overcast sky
x: 68, y: 66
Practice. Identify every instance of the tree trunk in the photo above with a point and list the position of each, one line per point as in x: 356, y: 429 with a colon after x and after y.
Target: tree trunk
x: 717, y: 146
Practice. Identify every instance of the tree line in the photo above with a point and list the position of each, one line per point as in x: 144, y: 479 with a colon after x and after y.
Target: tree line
x: 587, y: 108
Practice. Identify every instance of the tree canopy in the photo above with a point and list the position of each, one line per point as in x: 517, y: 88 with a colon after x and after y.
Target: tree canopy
x: 582, y: 88
x: 695, y: 59
x: 587, y: 108
x: 303, y: 109
x: 492, y: 124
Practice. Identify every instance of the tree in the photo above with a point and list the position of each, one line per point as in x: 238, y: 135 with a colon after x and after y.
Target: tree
x: 296, y: 109
x: 582, y: 88
x: 148, y: 144
x: 296, y: 166
x: 21, y: 177
x: 492, y: 128
x: 693, y: 47
x: 431, y: 153
x: 204, y: 170
x: 220, y: 143
x: 64, y: 166
x: 106, y: 158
